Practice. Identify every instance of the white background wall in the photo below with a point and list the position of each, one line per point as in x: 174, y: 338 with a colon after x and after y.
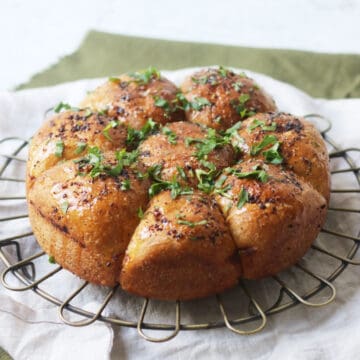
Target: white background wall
x: 36, y: 33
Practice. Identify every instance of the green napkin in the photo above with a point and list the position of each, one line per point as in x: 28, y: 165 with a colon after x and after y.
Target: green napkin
x: 102, y: 54
x: 4, y: 355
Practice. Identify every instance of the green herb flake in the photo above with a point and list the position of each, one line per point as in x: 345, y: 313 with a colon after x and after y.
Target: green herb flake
x: 267, y: 140
x: 243, y: 198
x: 201, y: 80
x: 208, y: 144
x: 237, y: 86
x: 199, y: 103
x: 181, y: 172
x: 158, y: 184
x: 134, y: 136
x: 81, y: 146
x: 64, y: 207
x: 171, y: 136
x: 113, y: 79
x: 125, y: 185
x: 145, y: 76
x: 52, y: 260
x: 59, y: 149
x: 111, y: 125
x: 62, y: 106
x: 161, y: 102
x: 94, y: 159
x: 223, y: 71
x: 257, y: 173
x: 217, y: 119
x: 258, y: 123
x: 140, y: 213
x: 272, y: 155
x: 88, y: 113
x: 191, y: 223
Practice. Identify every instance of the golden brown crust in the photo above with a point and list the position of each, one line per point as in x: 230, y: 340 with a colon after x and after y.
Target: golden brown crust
x: 133, y: 103
x: 302, y: 147
x: 71, y: 128
x: 92, y: 219
x: 182, y: 249
x: 232, y: 98
x: 83, y: 206
x: 157, y: 150
x: 277, y: 224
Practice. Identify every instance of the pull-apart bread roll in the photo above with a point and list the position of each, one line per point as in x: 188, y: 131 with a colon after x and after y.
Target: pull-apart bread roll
x: 273, y: 216
x: 86, y: 222
x: 68, y: 135
x: 182, y: 249
x: 176, y: 195
x: 301, y: 146
x: 219, y: 98
x: 175, y: 148
x: 135, y: 97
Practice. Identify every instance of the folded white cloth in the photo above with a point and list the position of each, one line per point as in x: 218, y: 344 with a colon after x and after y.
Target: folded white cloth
x: 31, y: 329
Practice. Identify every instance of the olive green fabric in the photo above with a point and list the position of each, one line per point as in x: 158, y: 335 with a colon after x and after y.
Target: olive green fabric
x: 102, y: 54
x: 4, y: 355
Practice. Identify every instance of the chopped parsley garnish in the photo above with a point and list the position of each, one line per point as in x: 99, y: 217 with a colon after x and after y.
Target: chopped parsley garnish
x: 59, y: 148
x: 233, y: 137
x: 240, y: 106
x: 125, y: 185
x: 271, y: 155
x: 171, y: 136
x: 223, y: 71
x: 111, y: 125
x: 140, y: 213
x: 219, y: 188
x: 64, y: 207
x: 217, y: 119
x: 158, y: 184
x: 81, y: 146
x: 243, y: 198
x: 191, y: 224
x: 266, y: 141
x: 88, y: 113
x: 161, y: 102
x: 145, y: 76
x: 199, y: 103
x: 114, y: 79
x: 94, y: 158
x: 208, y: 144
x: 181, y: 172
x: 134, y: 137
x: 52, y: 260
x: 257, y: 174
x: 206, y: 178
x: 201, y: 80
x: 62, y: 106
x: 258, y: 123
x: 184, y: 103
x: 237, y: 86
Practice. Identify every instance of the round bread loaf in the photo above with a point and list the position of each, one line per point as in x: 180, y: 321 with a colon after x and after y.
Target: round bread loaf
x: 176, y: 195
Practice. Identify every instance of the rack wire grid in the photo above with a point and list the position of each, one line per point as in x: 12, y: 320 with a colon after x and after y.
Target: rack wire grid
x: 24, y: 270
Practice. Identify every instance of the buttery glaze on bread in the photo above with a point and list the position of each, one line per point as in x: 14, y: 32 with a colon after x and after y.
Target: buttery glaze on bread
x: 177, y: 195
x: 229, y: 98
x: 133, y: 101
x: 167, y: 256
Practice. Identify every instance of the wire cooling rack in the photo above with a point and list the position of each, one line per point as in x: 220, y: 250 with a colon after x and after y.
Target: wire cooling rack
x: 286, y: 294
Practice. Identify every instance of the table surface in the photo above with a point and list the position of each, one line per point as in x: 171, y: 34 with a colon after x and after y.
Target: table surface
x: 35, y: 34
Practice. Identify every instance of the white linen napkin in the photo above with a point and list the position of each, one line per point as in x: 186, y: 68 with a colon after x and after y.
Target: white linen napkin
x: 31, y: 329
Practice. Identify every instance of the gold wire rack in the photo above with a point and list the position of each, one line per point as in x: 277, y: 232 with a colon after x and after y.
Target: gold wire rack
x: 255, y: 318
